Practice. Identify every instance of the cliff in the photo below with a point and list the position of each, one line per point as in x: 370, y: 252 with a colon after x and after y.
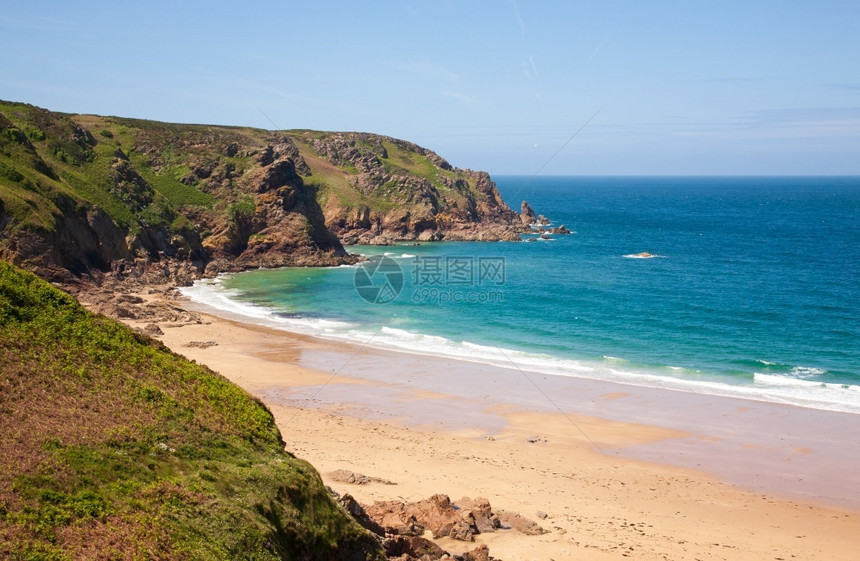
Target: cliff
x: 83, y: 193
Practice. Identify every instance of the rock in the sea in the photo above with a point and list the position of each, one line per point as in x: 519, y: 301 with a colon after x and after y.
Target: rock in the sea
x: 543, y: 220
x: 527, y: 215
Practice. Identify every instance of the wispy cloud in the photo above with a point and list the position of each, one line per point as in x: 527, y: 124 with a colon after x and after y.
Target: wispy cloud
x: 526, y: 70
x: 519, y: 18
x: 600, y: 46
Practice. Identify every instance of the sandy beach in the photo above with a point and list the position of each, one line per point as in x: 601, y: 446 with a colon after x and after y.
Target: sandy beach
x: 611, y: 471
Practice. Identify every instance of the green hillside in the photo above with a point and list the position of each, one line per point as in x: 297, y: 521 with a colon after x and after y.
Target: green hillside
x: 80, y: 192
x: 112, y: 447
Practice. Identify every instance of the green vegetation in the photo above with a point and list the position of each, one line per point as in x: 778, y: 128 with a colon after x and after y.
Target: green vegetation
x: 114, y: 448
x: 243, y: 209
x: 167, y: 183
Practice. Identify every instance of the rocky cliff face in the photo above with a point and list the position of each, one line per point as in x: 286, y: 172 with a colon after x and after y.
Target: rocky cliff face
x: 410, y: 193
x: 80, y: 193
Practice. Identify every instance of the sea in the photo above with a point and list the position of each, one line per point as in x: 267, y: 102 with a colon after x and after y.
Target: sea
x: 735, y: 286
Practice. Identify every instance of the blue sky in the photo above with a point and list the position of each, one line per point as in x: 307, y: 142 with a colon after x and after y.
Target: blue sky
x: 768, y: 87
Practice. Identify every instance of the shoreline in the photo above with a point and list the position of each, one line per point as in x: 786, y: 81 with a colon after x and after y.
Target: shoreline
x: 775, y: 448
x: 600, y: 470
x: 765, y: 388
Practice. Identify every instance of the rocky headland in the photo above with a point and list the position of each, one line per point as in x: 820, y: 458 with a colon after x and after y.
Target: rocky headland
x: 84, y: 195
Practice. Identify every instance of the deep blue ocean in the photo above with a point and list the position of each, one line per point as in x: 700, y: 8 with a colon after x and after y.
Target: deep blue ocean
x: 753, y: 289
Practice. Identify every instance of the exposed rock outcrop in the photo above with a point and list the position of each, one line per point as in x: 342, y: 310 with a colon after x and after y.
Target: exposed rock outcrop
x: 460, y: 521
x: 401, y: 526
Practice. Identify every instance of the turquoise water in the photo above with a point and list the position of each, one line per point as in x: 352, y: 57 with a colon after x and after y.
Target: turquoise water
x: 754, y: 291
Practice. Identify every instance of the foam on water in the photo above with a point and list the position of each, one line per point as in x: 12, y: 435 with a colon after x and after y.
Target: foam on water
x: 807, y: 371
x: 763, y: 387
x: 643, y: 255
x: 212, y: 294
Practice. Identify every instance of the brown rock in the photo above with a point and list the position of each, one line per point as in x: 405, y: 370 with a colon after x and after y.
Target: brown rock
x: 394, y: 518
x: 480, y: 553
x: 120, y: 312
x: 481, y: 512
x: 527, y: 215
x: 412, y: 547
x: 520, y: 523
x: 360, y: 516
x: 152, y: 330
x: 346, y: 476
x: 436, y: 514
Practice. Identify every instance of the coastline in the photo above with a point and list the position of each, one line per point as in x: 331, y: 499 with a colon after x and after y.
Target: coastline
x: 617, y: 469
x: 764, y: 386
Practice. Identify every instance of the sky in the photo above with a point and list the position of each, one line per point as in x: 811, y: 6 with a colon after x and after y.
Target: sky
x: 506, y: 86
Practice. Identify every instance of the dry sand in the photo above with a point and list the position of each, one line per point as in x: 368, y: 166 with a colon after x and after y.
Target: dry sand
x: 574, y: 458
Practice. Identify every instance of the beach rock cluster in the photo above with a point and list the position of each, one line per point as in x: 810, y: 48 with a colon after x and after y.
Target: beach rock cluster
x: 402, y: 526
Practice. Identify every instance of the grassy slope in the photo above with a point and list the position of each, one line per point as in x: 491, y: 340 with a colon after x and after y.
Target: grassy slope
x: 114, y: 448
